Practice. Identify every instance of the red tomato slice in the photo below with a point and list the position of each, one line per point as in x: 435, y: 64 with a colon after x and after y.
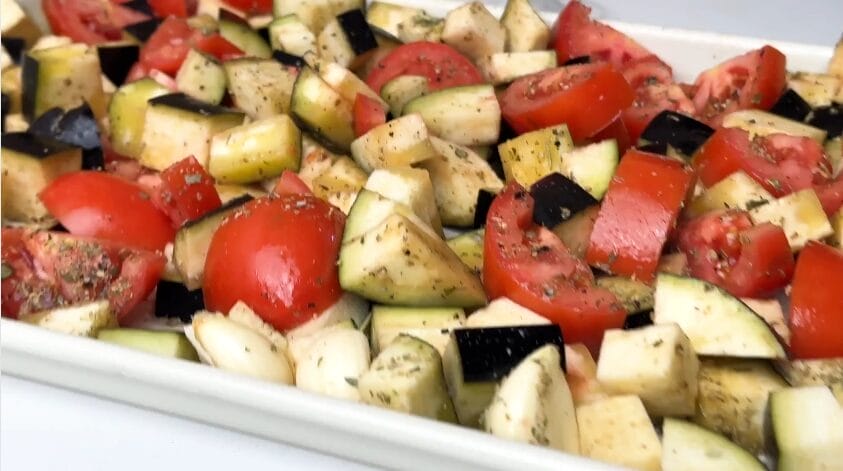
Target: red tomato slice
x: 101, y: 205
x: 529, y: 265
x: 560, y: 95
x: 187, y: 192
x: 780, y: 163
x: 638, y: 213
x: 616, y: 130
x: 166, y: 49
x: 443, y: 66
x: 291, y: 184
x: 575, y: 34
x: 816, y: 307
x: 725, y: 249
x: 831, y: 195
x: 217, y: 46
x: 254, y: 7
x: 22, y: 291
x: 753, y: 80
x: 89, y: 21
x: 180, y: 8
x: 279, y: 256
x: 368, y: 113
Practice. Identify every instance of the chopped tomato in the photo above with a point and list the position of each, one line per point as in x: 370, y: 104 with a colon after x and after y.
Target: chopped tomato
x: 638, y: 213
x: 105, y: 206
x: 575, y: 34
x: 169, y: 44
x: 137, y: 72
x: 831, y: 195
x: 187, y: 192
x: 253, y: 7
x: 180, y: 8
x: 50, y: 269
x: 291, y: 184
x: 655, y: 91
x: 754, y: 80
x: 368, y: 113
x: 528, y: 264
x: 443, y: 66
x: 279, y: 256
x: 725, y: 249
x: 217, y: 46
x: 560, y: 95
x: 780, y: 163
x: 816, y: 306
x: 89, y: 21
x: 616, y: 130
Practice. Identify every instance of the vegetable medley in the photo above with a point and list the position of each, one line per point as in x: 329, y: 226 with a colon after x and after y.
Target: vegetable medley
x: 534, y: 231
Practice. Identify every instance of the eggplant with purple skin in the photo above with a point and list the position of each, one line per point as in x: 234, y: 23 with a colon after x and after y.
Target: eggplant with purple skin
x: 143, y: 30
x: 77, y: 127
x: 791, y: 106
x: 174, y: 300
x: 829, y: 118
x: 681, y: 132
x: 117, y: 59
x: 557, y: 199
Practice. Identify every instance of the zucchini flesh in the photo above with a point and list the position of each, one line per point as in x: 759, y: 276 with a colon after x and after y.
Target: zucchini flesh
x: 468, y: 115
x: 686, y: 443
x: 397, y: 143
x: 127, y: 106
x: 202, y: 77
x: 808, y: 429
x: 260, y: 87
x: 320, y: 110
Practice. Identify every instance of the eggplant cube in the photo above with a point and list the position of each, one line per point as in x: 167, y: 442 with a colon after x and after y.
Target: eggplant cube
x: 656, y: 363
x: 474, y: 31
x: 617, y: 430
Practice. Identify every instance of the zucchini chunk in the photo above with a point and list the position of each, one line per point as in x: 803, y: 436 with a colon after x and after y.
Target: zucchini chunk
x: 126, y: 113
x: 237, y: 31
x: 593, y: 166
x: 733, y: 397
x: 333, y: 363
x: 340, y: 183
x: 433, y: 325
x: 717, y: 323
x: 17, y: 24
x: 505, y: 67
x: 117, y: 59
x: 473, y: 31
x: 581, y: 372
x: 397, y: 143
x: 347, y: 39
x: 618, y: 430
x: 10, y: 84
x: 835, y: 65
x: 30, y: 163
x: 256, y: 151
x: 808, y: 429
x: 315, y: 14
x: 761, y: 123
x: 323, y: 112
x: 476, y: 359
x: 289, y: 34
x: 400, y: 262
x: 421, y: 27
x: 635, y: 296
x: 386, y: 16
x: 260, y: 87
x: 83, y: 320
x: 504, y: 312
x: 161, y: 343
x: 347, y: 313
x: 411, y: 187
x: 531, y: 156
x: 458, y: 175
x: 468, y: 115
x: 346, y: 83
x: 64, y: 77
x: 686, y: 443
x: 818, y: 372
x: 194, y: 238
x: 407, y: 377
x: 176, y: 126
x: 737, y: 191
x: 202, y: 76
x: 402, y: 90
x: 655, y: 363
x: 469, y: 248
x: 533, y: 404
x: 525, y: 28
x: 816, y: 89
x: 800, y: 214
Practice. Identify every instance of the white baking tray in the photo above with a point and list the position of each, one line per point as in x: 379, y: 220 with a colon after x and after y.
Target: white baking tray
x: 285, y: 414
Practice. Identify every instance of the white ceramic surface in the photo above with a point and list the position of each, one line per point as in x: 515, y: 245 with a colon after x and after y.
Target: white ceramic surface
x: 288, y: 415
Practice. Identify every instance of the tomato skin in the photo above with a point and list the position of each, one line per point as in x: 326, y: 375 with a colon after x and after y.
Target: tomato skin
x: 89, y: 21
x: 443, y: 66
x: 179, y: 8
x: 217, y: 46
x: 251, y: 6
x: 559, y: 95
x: 105, y: 206
x: 725, y: 249
x: 618, y: 131
x: 780, y: 163
x: 816, y: 307
x: 638, y: 213
x: 166, y: 49
x: 368, y: 113
x: 187, y: 192
x: 291, y: 184
x: 753, y: 80
x: 831, y: 195
x: 279, y: 256
x: 575, y: 34
x: 529, y: 265
x: 22, y: 290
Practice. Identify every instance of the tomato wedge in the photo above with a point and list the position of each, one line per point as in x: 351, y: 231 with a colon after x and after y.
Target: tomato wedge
x: 530, y: 265
x: 638, y: 213
x: 105, y: 206
x: 89, y: 21
x: 443, y: 66
x: 368, y: 113
x: 753, y: 80
x: 291, y: 184
x: 166, y: 49
x: 254, y: 7
x: 831, y: 195
x: 180, y: 8
x: 816, y: 307
x: 187, y: 192
x: 560, y: 95
x: 725, y: 249
x: 780, y: 163
x: 575, y: 34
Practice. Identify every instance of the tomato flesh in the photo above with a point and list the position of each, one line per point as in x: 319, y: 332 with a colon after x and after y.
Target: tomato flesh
x: 279, y: 256
x: 530, y: 265
x: 186, y: 192
x: 560, y: 95
x: 255, y: 7
x: 89, y: 21
x: 292, y: 184
x: 107, y: 207
x: 725, y: 249
x: 780, y: 163
x: 179, y: 8
x: 638, y: 213
x: 368, y: 114
x: 816, y: 307
x: 831, y: 195
x: 443, y: 66
x: 168, y: 46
